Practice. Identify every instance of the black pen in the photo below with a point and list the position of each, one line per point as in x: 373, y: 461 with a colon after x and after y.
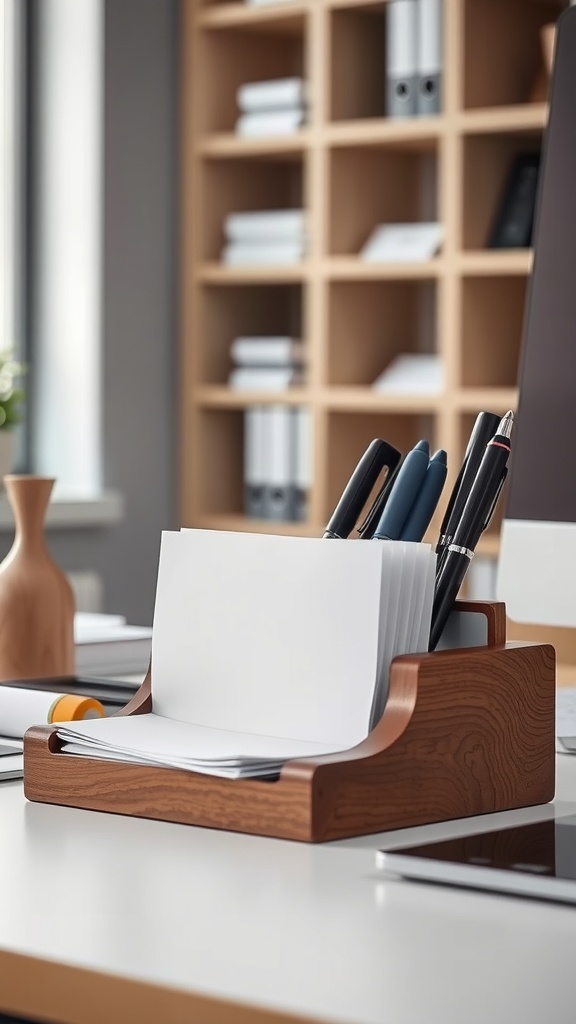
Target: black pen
x: 475, y: 517
x: 484, y: 428
x: 378, y: 456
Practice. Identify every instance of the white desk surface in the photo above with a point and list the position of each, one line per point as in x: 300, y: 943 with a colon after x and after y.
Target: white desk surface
x: 303, y: 930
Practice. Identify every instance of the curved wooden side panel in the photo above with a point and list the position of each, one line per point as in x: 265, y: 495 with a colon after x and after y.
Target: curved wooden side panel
x: 481, y: 738
x: 464, y: 732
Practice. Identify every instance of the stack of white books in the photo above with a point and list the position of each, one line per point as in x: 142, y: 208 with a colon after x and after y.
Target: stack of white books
x: 266, y: 363
x: 276, y: 107
x: 267, y: 649
x: 106, y: 645
x: 264, y: 237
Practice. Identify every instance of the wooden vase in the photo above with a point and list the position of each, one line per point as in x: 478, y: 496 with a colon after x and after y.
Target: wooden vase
x: 36, y: 600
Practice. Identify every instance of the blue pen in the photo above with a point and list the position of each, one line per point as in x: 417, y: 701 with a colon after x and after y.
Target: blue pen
x: 427, y: 498
x: 409, y: 480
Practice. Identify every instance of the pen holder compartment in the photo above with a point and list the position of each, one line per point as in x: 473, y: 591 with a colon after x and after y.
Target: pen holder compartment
x: 466, y: 730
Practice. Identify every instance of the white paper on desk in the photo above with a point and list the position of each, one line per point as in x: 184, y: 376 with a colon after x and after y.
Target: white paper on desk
x: 152, y: 739
x: 260, y: 628
x: 566, y: 720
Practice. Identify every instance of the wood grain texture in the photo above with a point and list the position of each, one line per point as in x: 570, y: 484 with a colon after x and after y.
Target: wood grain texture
x: 464, y: 732
x: 45, y: 990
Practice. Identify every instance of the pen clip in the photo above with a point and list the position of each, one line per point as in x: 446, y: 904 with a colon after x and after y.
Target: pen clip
x: 495, y: 501
x: 366, y: 528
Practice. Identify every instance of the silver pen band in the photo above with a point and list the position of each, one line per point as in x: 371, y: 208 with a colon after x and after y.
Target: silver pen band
x: 461, y: 551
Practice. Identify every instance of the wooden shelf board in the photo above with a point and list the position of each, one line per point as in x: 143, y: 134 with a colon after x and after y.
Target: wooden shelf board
x: 364, y: 399
x: 493, y: 398
x: 217, y: 273
x: 355, y: 4
x: 217, y: 397
x: 523, y: 117
x: 352, y: 268
x: 286, y: 18
x: 409, y: 133
x: 240, y: 524
x: 227, y: 144
x: 495, y: 262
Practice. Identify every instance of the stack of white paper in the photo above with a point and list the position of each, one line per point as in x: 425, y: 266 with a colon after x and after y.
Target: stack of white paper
x: 276, y: 107
x: 412, y: 373
x: 108, y: 645
x: 264, y: 236
x: 265, y: 363
x: 268, y: 648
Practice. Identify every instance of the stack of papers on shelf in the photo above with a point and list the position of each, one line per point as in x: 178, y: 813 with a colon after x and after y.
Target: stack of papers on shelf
x: 264, y: 236
x: 266, y: 363
x: 412, y: 373
x: 107, y: 645
x: 403, y: 243
x: 268, y: 648
x: 276, y: 107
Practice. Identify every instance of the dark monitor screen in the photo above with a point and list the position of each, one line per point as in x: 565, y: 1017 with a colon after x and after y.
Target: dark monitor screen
x: 537, y: 565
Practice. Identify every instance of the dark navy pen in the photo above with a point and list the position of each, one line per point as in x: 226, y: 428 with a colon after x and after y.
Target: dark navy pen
x: 409, y: 480
x: 475, y: 517
x: 427, y: 498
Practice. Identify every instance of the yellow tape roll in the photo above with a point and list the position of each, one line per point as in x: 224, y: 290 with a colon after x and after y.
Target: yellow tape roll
x: 69, y: 708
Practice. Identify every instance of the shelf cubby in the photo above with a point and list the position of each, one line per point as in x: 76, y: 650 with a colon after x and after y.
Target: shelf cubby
x: 226, y: 62
x: 372, y: 185
x: 503, y: 49
x: 228, y: 312
x: 488, y: 159
x: 372, y: 322
x: 220, y: 446
x: 245, y: 184
x: 357, y: 63
x: 492, y: 321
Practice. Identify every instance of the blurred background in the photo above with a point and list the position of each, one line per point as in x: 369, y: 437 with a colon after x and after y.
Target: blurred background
x: 241, y: 239
x: 90, y: 297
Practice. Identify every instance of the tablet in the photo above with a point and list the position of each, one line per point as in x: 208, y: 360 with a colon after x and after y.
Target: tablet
x: 536, y: 860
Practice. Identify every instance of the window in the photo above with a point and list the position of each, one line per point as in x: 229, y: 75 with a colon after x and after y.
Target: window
x: 66, y: 180
x: 11, y: 50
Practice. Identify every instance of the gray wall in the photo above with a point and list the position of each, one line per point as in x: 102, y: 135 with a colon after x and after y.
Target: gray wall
x: 140, y: 303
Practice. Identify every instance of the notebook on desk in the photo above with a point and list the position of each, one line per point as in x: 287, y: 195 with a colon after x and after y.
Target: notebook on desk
x: 11, y: 760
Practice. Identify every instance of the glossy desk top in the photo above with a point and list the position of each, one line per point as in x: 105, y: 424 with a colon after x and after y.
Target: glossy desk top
x: 303, y: 930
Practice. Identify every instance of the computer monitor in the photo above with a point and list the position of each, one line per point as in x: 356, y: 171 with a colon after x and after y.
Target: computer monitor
x: 537, y: 564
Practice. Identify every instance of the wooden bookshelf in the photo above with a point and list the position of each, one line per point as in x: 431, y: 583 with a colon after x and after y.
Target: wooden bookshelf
x: 351, y: 168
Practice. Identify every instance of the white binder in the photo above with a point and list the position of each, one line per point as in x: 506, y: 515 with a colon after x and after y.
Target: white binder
x: 302, y: 461
x: 429, y: 57
x: 401, y: 57
x: 278, y: 491
x: 254, y: 461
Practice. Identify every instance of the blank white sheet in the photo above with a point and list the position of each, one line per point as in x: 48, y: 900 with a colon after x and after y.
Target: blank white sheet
x: 229, y: 608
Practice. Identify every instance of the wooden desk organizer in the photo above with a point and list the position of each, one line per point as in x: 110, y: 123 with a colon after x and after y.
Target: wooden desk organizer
x: 465, y: 731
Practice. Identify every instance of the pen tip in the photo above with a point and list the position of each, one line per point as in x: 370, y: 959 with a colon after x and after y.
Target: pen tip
x: 423, y: 446
x: 440, y: 456
x: 506, y: 424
